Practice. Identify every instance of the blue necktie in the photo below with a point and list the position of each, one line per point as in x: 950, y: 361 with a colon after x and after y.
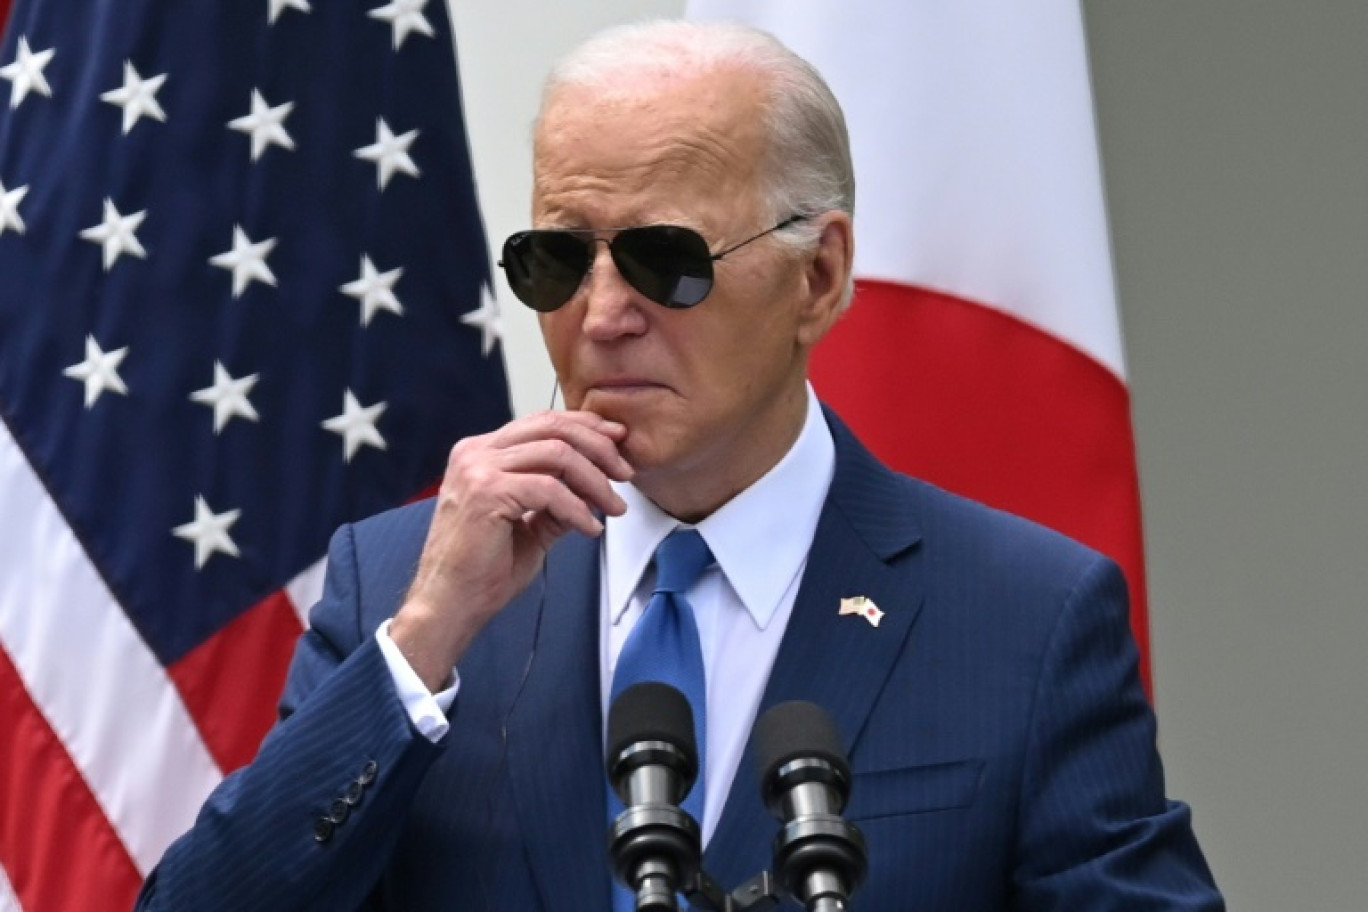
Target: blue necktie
x: 663, y: 646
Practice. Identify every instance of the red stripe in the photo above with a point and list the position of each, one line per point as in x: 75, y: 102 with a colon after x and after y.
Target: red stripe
x: 230, y: 682
x: 4, y: 17
x: 979, y: 402
x: 57, y: 847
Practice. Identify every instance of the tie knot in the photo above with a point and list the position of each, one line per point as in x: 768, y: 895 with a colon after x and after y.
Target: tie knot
x: 680, y: 559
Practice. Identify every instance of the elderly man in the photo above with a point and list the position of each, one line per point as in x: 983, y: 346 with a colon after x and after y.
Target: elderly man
x: 441, y: 742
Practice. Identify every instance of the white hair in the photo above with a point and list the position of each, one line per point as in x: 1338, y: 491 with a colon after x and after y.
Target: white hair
x: 808, y: 170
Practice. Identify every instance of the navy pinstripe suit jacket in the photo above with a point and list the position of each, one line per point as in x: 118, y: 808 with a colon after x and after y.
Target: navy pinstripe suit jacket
x: 1003, y: 749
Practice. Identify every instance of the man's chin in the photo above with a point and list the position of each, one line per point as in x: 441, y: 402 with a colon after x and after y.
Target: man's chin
x: 639, y: 449
x: 653, y: 441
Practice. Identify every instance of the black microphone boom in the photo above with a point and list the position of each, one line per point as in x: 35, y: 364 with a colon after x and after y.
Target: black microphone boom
x: 819, y: 856
x: 652, y: 763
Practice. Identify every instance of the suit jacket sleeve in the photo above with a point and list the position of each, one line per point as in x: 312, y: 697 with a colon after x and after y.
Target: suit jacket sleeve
x: 1095, y: 830
x: 312, y: 821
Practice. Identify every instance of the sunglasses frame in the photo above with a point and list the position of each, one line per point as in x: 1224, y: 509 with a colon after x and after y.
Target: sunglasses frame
x: 701, y: 270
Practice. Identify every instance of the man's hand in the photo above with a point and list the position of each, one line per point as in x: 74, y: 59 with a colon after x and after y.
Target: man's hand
x: 504, y: 499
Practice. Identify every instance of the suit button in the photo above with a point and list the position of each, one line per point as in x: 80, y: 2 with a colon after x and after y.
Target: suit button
x: 338, y: 811
x: 368, y: 772
x: 354, y: 792
x: 323, y: 829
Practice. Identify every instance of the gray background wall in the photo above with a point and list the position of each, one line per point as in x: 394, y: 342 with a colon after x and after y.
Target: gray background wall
x: 1235, y: 143
x: 1234, y: 136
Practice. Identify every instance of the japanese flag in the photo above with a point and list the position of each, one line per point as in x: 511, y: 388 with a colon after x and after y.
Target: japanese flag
x: 983, y: 349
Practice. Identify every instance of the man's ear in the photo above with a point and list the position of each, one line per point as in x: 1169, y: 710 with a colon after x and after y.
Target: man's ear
x: 826, y: 275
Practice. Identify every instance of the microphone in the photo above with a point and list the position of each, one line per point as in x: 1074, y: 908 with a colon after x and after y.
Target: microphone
x: 819, y: 856
x: 652, y: 763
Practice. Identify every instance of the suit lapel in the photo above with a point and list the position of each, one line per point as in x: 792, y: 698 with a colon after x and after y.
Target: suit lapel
x: 839, y: 662
x: 555, y: 754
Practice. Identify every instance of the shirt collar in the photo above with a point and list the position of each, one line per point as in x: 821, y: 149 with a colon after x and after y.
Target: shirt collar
x: 760, y: 538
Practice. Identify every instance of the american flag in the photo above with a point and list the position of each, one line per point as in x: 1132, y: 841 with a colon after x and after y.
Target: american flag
x: 244, y: 298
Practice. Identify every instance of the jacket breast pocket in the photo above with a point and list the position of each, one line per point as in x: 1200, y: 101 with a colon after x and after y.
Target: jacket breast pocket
x: 914, y: 789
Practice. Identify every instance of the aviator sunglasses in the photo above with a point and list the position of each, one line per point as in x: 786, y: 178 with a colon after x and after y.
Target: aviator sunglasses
x: 669, y: 264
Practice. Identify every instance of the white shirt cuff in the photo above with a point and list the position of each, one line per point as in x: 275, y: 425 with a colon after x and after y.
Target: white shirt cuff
x: 427, y: 711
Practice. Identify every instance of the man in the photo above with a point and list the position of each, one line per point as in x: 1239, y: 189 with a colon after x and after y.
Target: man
x: 693, y: 200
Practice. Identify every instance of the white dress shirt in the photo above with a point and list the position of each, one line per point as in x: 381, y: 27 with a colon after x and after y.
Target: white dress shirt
x: 759, y: 540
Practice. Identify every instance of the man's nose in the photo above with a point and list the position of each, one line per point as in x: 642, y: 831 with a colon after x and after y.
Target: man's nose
x: 612, y: 307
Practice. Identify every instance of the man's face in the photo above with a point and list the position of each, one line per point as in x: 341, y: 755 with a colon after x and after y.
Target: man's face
x: 712, y: 396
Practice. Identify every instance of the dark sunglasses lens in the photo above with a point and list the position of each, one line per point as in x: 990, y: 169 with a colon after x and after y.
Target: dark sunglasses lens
x: 545, y: 268
x: 668, y: 264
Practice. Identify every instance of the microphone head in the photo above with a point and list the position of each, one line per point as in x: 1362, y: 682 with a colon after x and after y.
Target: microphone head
x: 799, y: 730
x: 652, y: 763
x: 651, y: 711
x: 819, y: 856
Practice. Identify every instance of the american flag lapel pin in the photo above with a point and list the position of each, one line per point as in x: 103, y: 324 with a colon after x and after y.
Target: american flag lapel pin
x: 864, y: 606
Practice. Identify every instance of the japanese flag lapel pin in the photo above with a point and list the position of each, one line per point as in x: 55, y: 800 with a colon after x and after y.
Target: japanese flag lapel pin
x: 863, y: 606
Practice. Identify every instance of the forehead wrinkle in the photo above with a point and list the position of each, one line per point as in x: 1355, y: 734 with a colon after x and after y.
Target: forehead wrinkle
x: 706, y: 133
x: 640, y: 188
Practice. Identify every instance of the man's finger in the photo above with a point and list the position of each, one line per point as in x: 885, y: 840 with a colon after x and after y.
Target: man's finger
x: 561, y: 460
x: 597, y: 438
x: 532, y: 495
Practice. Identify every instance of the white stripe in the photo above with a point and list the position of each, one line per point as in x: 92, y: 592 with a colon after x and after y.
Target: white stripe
x: 975, y: 150
x: 100, y: 688
x: 8, y: 901
x: 306, y: 589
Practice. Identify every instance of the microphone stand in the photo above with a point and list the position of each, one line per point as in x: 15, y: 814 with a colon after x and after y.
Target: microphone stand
x: 759, y: 894
x: 762, y: 893
x: 654, y: 844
